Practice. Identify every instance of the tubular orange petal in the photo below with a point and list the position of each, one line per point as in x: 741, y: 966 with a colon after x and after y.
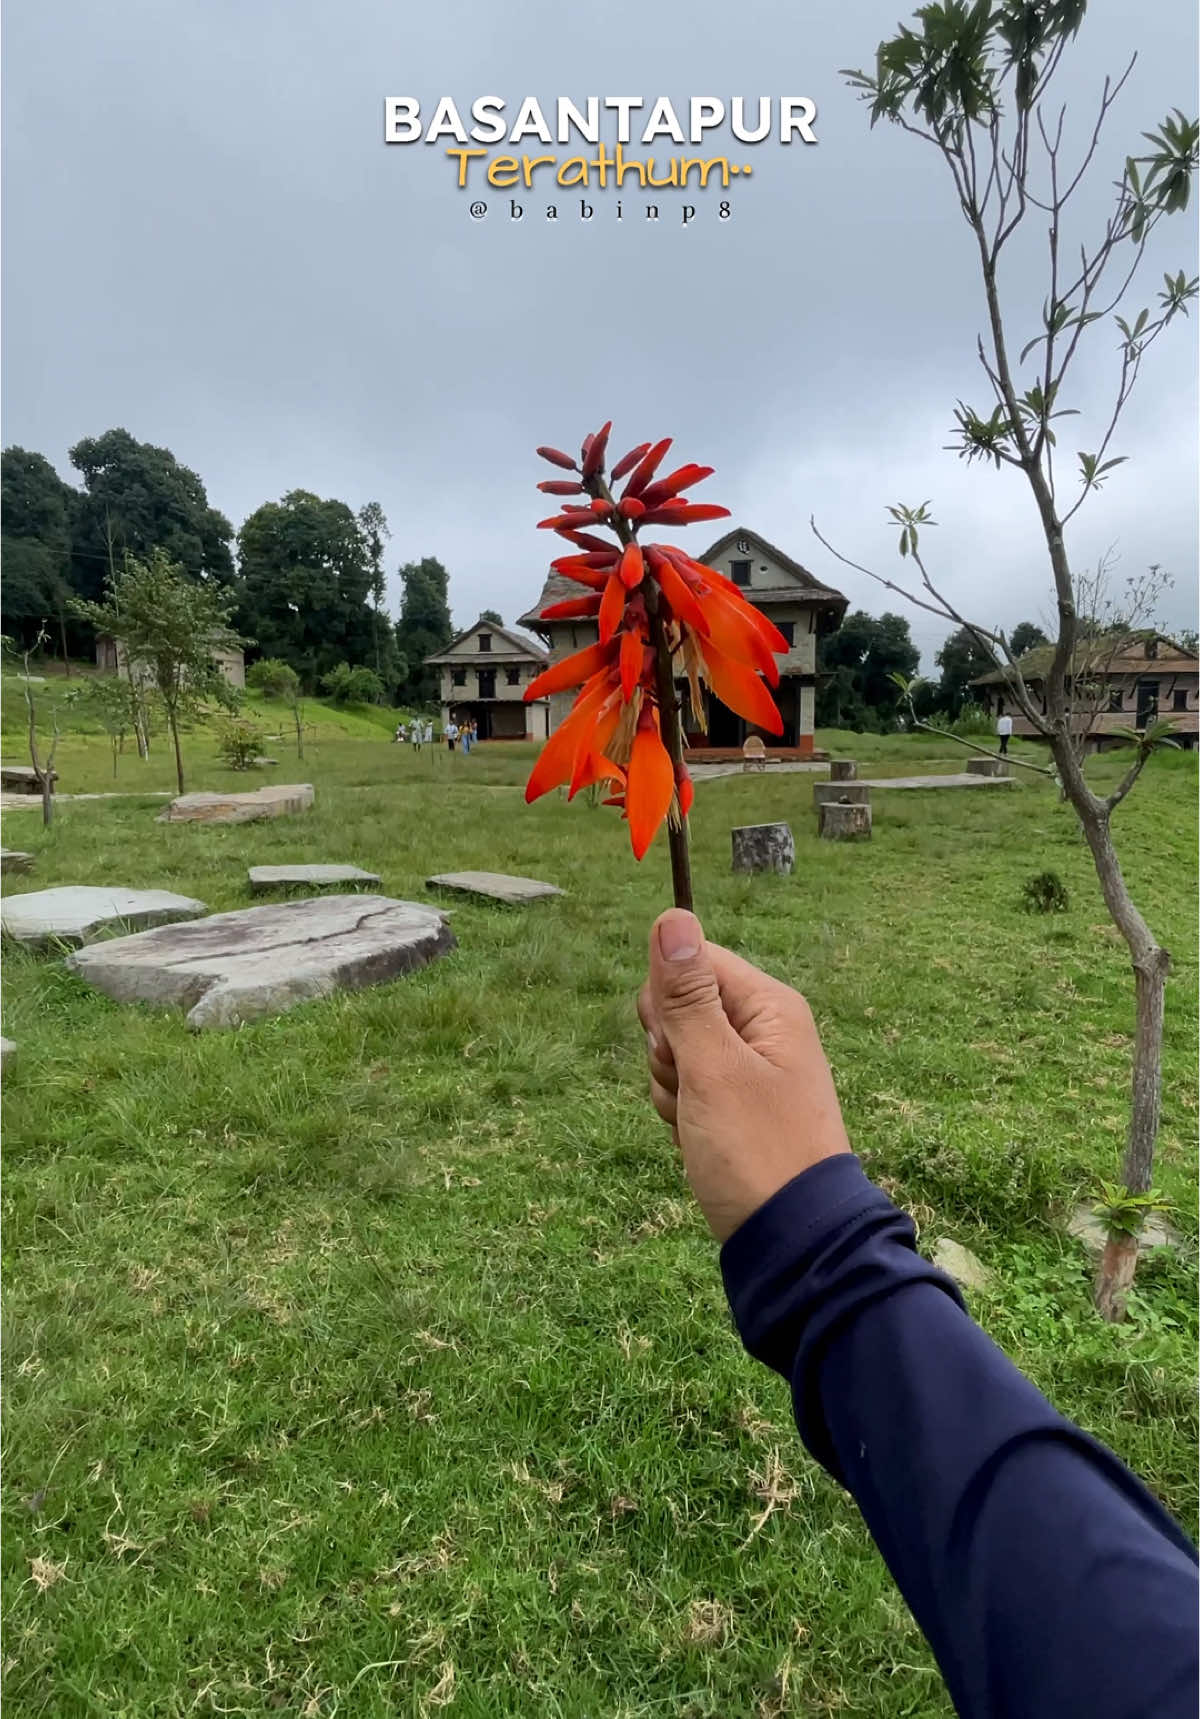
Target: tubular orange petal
x: 632, y: 656
x: 585, y: 540
x: 582, y: 576
x: 687, y: 793
x: 646, y: 468
x: 733, y: 636
x: 632, y: 566
x: 740, y: 688
x: 612, y: 607
x: 667, y: 515
x: 649, y: 785
x: 573, y: 608
x: 571, y: 671
x: 602, y: 558
x: 682, y: 479
x: 556, y: 760
x: 684, y: 605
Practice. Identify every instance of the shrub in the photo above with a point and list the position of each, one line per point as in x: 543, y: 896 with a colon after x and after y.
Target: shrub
x: 239, y: 744
x: 972, y: 721
x: 1045, y: 893
x: 346, y: 685
x: 273, y: 678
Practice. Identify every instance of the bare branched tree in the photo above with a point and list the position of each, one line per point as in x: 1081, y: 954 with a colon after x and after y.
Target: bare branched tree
x: 974, y: 81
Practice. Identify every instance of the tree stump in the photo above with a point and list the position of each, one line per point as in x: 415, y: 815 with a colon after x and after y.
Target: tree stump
x: 857, y: 793
x: 842, y: 769
x: 763, y: 847
x: 987, y: 767
x: 843, y: 821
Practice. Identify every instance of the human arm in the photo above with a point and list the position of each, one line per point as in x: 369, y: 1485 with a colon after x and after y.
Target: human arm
x: 1046, y: 1578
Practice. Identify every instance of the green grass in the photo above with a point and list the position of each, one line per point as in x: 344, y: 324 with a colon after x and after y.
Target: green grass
x: 384, y: 1338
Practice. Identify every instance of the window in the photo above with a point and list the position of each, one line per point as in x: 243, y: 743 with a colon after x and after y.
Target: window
x: 458, y: 677
x: 1114, y: 698
x: 1151, y: 648
x: 788, y: 629
x: 1179, y: 698
x: 485, y: 641
x: 487, y: 683
x: 739, y: 572
x: 512, y: 676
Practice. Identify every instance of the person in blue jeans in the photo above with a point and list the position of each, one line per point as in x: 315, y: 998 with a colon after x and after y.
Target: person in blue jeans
x: 1048, y: 1581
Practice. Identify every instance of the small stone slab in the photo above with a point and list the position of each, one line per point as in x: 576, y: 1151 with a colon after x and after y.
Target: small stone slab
x: 494, y: 885
x: 1086, y: 1227
x: 763, y: 847
x: 12, y: 859
x: 22, y: 779
x: 310, y: 876
x: 236, y: 967
x: 7, y: 1048
x: 958, y: 1262
x: 987, y: 767
x: 76, y: 913
x: 274, y: 801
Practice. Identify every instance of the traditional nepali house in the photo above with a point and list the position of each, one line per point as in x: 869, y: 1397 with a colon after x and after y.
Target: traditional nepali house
x: 484, y: 673
x: 110, y: 657
x: 799, y: 605
x: 1118, y: 681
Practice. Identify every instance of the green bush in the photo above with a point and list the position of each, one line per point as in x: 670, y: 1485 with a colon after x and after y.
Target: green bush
x: 1045, y: 893
x: 273, y: 678
x: 346, y: 685
x: 239, y: 744
x: 972, y: 721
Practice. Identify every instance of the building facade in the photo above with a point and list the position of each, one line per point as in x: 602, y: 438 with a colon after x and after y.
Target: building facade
x: 1126, y: 683
x: 799, y: 605
x: 484, y: 673
x: 110, y: 656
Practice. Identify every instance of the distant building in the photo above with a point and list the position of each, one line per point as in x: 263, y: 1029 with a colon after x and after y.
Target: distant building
x: 484, y: 673
x: 110, y: 656
x: 1126, y: 681
x: 799, y: 605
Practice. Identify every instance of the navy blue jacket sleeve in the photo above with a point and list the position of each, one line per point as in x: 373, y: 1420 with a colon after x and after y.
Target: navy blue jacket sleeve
x: 1047, y: 1580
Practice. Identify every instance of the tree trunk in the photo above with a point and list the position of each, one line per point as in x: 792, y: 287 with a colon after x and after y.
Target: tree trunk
x: 47, y: 800
x: 178, y: 754
x: 1114, y: 1278
x: 62, y: 633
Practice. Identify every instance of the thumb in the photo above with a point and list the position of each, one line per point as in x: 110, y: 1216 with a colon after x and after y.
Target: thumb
x: 684, y: 990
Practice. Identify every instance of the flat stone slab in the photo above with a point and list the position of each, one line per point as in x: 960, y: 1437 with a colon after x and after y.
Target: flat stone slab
x: 23, y: 779
x: 76, y: 913
x: 236, y: 967
x: 12, y: 859
x: 956, y: 779
x: 310, y: 876
x: 958, y: 1262
x: 495, y: 885
x: 1086, y: 1227
x: 274, y: 801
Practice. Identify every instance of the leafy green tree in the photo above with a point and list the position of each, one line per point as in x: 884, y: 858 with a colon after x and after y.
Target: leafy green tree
x: 138, y: 498
x: 169, y: 629
x: 492, y: 615
x: 962, y: 659
x: 346, y: 685
x: 1026, y: 635
x: 116, y: 703
x: 306, y: 584
x: 974, y: 81
x: 857, y: 661
x: 274, y: 679
x: 424, y: 625
x: 37, y: 516
x: 372, y: 522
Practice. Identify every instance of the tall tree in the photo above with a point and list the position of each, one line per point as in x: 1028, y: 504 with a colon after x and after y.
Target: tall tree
x: 169, y: 628
x: 306, y: 584
x: 37, y: 514
x: 974, y: 81
x: 962, y: 659
x: 138, y: 498
x: 424, y: 624
x: 492, y: 615
x: 857, y: 662
x: 1025, y: 636
x: 372, y: 522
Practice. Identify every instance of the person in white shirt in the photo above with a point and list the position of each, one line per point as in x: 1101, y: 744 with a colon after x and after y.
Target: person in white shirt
x: 451, y: 733
x: 1004, y: 730
x: 427, y: 735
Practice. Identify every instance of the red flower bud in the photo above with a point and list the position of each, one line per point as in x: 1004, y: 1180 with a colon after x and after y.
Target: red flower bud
x: 632, y: 567
x: 553, y: 486
x: 594, y: 561
x: 558, y: 458
x: 647, y: 468
x: 593, y: 458
x: 601, y: 508
x: 632, y: 508
x: 668, y: 515
x: 585, y: 540
x: 679, y: 480
x: 627, y: 462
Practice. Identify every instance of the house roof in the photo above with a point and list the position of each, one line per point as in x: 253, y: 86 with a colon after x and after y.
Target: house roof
x: 1110, y: 654
x: 805, y: 588
x: 519, y: 648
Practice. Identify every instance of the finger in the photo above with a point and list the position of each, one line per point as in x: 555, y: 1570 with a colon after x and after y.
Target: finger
x: 664, y: 1101
x: 766, y: 1014
x: 685, y: 998
x: 662, y: 1067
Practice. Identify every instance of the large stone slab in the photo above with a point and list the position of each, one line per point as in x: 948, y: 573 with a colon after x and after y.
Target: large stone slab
x: 494, y: 885
x: 12, y: 859
x: 264, y: 877
x: 958, y: 1262
x: 237, y: 967
x: 274, y: 801
x: 76, y: 913
x: 22, y: 779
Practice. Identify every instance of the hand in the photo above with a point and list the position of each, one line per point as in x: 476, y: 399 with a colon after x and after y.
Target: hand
x: 737, y: 1070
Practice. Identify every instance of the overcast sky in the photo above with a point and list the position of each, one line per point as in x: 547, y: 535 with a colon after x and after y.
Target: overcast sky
x: 207, y: 242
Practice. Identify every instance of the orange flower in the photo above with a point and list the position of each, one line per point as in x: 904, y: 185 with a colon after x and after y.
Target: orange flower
x: 647, y: 599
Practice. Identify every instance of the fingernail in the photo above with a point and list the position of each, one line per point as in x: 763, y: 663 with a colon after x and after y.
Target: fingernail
x: 679, y: 935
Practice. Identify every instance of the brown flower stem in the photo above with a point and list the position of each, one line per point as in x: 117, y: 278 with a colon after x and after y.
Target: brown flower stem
x: 668, y: 706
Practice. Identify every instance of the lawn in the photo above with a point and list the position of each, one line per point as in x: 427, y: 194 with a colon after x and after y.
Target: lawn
x: 374, y: 1360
